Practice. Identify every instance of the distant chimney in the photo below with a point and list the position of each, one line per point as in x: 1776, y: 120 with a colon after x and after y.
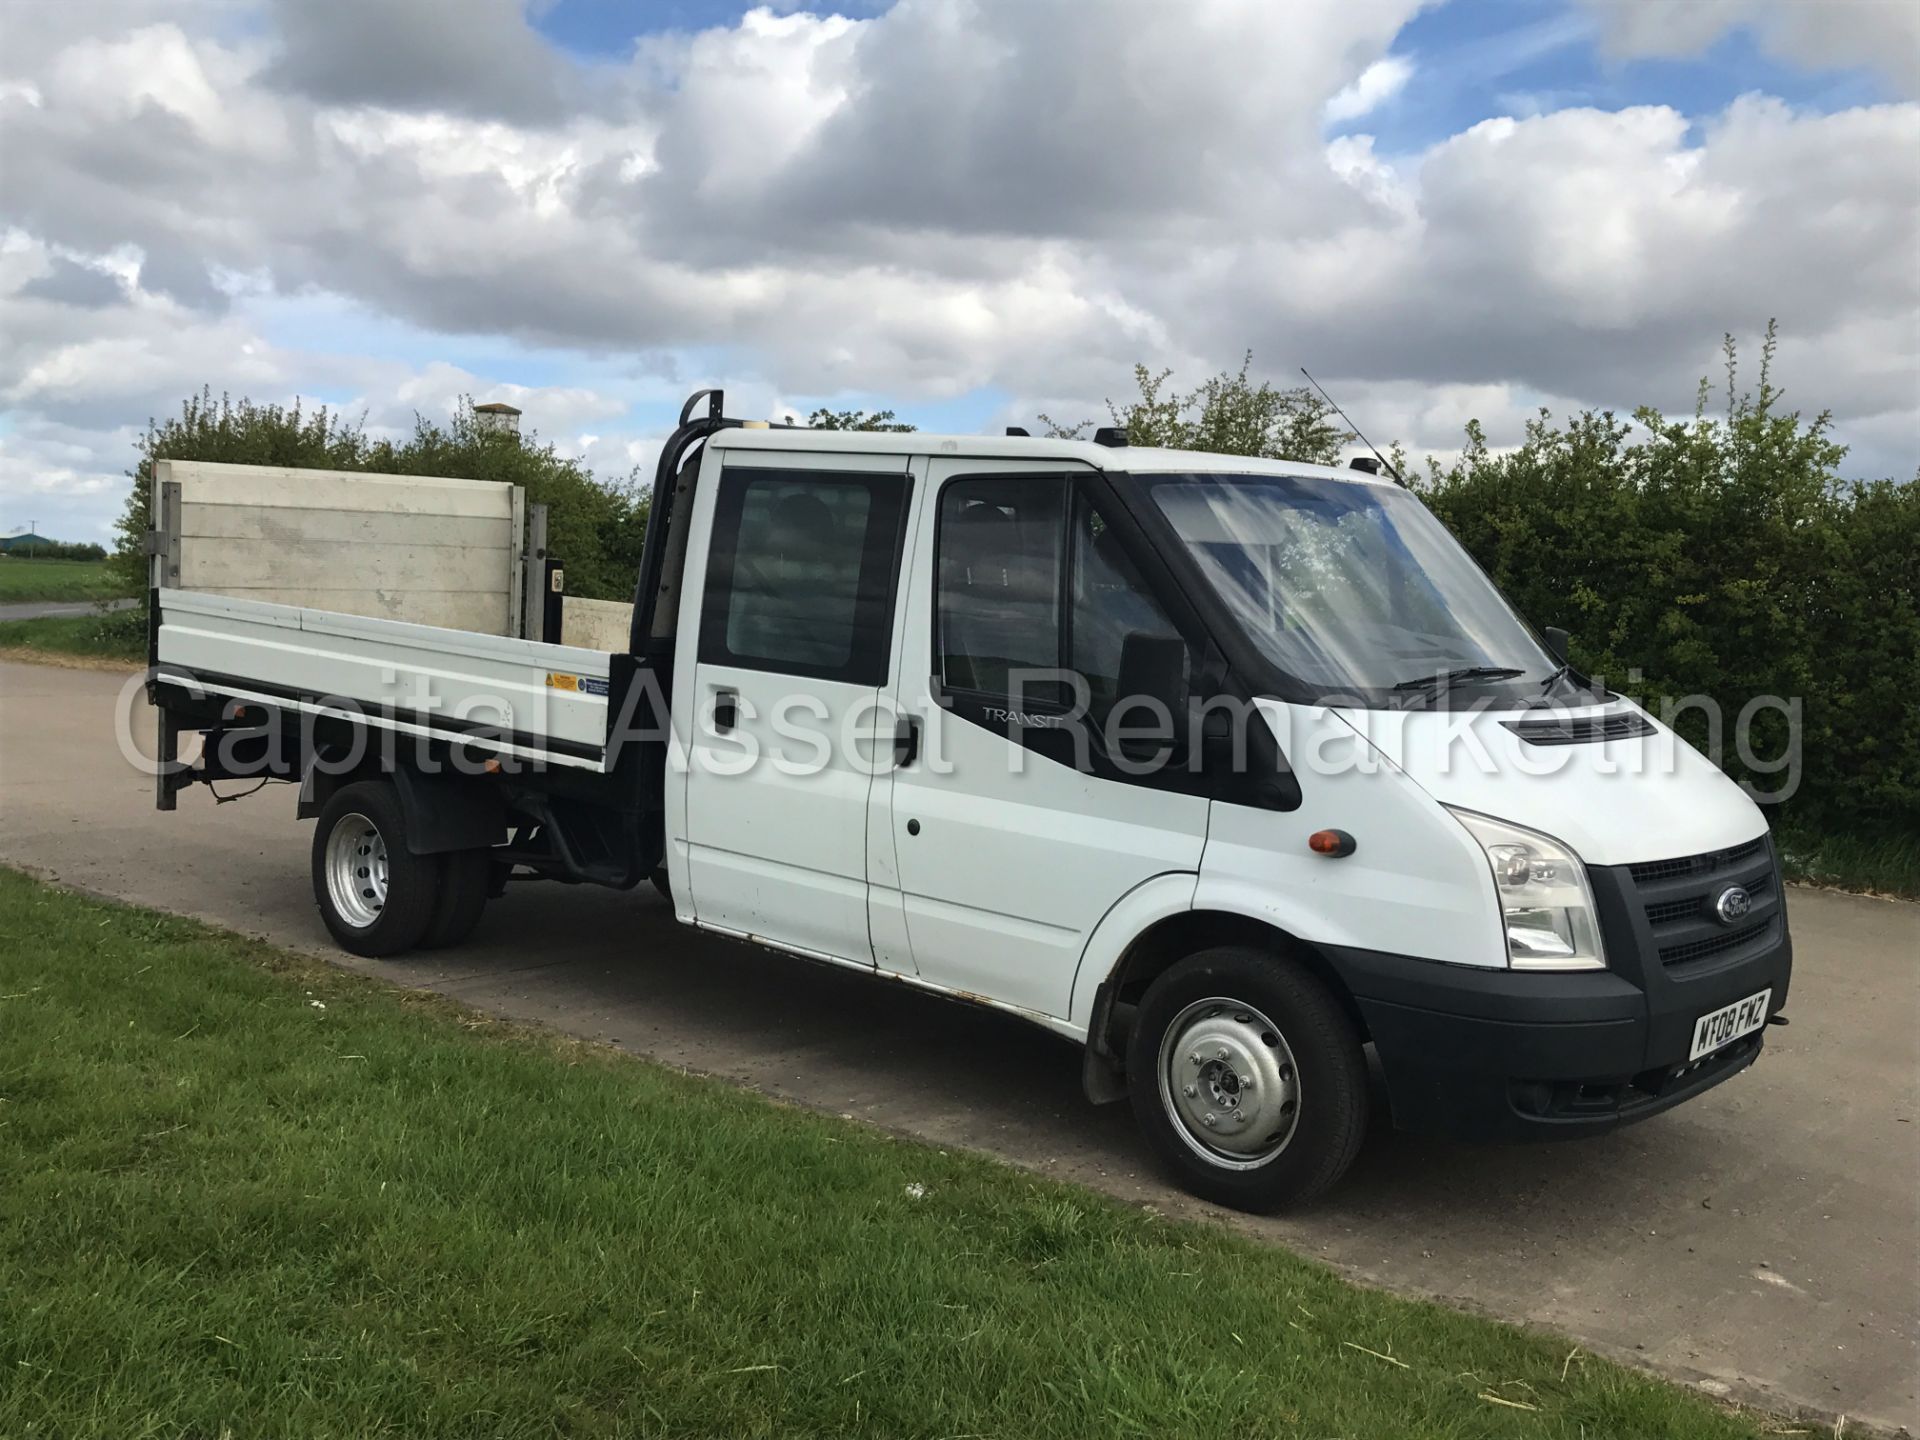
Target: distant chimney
x: 497, y: 418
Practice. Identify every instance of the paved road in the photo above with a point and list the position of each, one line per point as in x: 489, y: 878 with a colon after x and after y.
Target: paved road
x: 42, y: 609
x: 1765, y: 1237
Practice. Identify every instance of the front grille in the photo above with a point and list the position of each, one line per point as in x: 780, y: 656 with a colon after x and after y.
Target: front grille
x: 1707, y: 864
x: 1666, y: 912
x: 1669, y: 914
x: 1717, y: 944
x: 1581, y: 730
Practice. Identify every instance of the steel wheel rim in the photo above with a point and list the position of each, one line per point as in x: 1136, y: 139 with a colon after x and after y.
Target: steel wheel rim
x: 356, y: 868
x: 1229, y: 1083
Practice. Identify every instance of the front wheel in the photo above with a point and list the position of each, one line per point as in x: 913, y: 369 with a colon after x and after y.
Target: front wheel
x: 1248, y: 1078
x: 375, y: 896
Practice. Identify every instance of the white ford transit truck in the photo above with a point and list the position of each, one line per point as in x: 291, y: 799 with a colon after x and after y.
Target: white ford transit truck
x: 1222, y: 769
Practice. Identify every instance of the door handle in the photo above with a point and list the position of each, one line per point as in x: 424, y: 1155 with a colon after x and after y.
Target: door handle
x: 726, y: 709
x: 906, y: 741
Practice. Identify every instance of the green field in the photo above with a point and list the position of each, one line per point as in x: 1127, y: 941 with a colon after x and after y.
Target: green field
x: 246, y: 1194
x: 22, y: 579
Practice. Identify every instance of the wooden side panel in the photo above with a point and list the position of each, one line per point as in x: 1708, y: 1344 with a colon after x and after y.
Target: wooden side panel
x: 417, y: 548
x: 595, y: 624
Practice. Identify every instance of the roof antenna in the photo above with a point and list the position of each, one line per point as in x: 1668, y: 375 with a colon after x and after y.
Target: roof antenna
x: 1357, y: 464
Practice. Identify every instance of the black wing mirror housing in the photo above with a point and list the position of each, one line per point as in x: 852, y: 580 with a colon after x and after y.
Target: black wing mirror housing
x: 1154, y: 667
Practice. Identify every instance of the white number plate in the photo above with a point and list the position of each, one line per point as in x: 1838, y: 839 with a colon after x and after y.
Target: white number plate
x: 1724, y: 1026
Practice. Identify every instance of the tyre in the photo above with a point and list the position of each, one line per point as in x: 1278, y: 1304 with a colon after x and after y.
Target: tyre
x: 1248, y: 1078
x: 464, y: 878
x: 662, y: 885
x: 375, y: 896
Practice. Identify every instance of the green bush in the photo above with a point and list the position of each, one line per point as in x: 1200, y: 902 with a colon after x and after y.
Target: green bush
x: 1722, y: 558
x: 1227, y: 414
x: 596, y: 528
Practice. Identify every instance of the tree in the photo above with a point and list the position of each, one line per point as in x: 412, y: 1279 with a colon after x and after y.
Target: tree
x: 825, y: 419
x: 1227, y: 415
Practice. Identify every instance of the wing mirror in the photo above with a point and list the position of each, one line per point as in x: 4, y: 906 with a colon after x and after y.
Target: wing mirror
x: 1153, y: 667
x: 1557, y: 640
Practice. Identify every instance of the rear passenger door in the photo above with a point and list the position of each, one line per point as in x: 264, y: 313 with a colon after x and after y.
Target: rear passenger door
x: 794, y: 638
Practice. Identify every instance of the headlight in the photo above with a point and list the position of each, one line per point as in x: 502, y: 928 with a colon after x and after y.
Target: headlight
x: 1545, y: 903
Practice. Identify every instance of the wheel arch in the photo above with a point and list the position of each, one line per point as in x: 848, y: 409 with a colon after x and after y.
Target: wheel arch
x: 318, y: 781
x: 443, y: 811
x: 1171, y: 938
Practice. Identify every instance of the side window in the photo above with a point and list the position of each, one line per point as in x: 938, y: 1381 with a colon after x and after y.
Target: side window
x: 1033, y: 578
x: 801, y: 573
x: 1002, y: 554
x: 1111, y: 600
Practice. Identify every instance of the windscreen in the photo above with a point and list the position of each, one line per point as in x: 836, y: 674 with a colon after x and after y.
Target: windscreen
x: 1353, y: 589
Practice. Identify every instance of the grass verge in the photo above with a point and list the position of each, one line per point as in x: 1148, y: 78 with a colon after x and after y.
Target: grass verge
x: 1882, y: 864
x: 244, y: 1193
x: 24, y: 579
x: 117, y: 639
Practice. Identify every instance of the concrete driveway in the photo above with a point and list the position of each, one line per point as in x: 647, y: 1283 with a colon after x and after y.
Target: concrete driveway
x: 1764, y: 1239
x: 45, y: 609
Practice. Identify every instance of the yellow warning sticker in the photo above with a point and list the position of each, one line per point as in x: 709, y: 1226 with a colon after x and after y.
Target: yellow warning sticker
x: 579, y: 684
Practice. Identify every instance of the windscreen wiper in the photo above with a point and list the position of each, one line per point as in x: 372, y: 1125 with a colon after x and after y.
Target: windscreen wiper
x: 1443, y: 678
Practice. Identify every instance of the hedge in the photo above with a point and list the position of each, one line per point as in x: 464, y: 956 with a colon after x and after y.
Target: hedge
x: 1723, y: 558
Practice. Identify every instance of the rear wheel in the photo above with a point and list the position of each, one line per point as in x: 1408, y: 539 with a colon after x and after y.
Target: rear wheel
x: 464, y: 879
x: 1248, y: 1078
x: 375, y: 896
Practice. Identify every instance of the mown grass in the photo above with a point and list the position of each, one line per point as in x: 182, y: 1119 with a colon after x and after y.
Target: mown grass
x: 117, y: 636
x: 24, y: 579
x: 244, y: 1193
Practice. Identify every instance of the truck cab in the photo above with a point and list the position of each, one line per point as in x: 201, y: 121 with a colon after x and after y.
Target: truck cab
x: 1226, y: 770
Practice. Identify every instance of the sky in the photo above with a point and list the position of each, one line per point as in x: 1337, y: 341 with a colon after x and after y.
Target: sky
x: 967, y: 211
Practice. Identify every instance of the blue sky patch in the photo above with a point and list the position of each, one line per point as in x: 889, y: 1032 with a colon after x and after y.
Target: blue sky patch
x: 1477, y: 59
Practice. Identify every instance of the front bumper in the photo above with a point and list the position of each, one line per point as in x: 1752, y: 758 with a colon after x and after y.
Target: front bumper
x: 1500, y: 1054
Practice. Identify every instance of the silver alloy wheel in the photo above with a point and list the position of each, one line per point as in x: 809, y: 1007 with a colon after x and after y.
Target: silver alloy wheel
x: 1229, y: 1083
x: 356, y: 870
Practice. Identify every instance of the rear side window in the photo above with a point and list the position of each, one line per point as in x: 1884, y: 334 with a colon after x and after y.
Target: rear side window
x: 801, y: 573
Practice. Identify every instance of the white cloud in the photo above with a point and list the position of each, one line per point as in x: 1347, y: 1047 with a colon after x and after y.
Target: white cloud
x: 953, y: 195
x: 1878, y: 35
x: 1377, y: 84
